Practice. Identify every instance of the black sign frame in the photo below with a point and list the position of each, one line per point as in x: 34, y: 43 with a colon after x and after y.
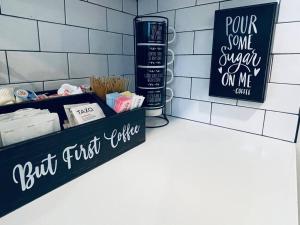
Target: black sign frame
x: 250, y: 43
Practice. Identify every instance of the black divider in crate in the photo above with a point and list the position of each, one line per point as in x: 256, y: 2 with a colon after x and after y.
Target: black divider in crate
x: 99, y: 141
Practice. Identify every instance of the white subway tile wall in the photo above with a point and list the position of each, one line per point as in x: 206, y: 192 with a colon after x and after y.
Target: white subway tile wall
x: 86, y: 15
x: 287, y: 38
x: 194, y: 21
x: 174, y: 4
x: 196, y: 18
x: 44, y: 44
x: 61, y: 38
x: 119, y: 22
x: 203, y: 42
x: 18, y: 34
x: 36, y: 66
x: 239, y: 118
x: 192, y: 65
x: 280, y: 125
x: 184, y: 43
x: 130, y: 6
x: 85, y: 65
x: 147, y: 6
x: 128, y: 45
x: 105, y: 42
x: 114, y: 4
x: 182, y: 85
x: 120, y: 65
x: 191, y: 109
x: 286, y: 69
x: 52, y: 11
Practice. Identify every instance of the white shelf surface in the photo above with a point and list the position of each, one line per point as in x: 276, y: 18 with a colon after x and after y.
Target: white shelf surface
x: 185, y: 174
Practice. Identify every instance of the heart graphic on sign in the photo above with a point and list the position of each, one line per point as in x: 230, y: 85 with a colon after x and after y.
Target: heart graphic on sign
x: 220, y: 70
x: 256, y: 71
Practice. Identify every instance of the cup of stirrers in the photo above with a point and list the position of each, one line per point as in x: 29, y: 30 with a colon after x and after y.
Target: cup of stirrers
x: 105, y: 85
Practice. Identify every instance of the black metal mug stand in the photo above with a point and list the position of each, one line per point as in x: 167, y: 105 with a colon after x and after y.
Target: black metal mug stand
x: 161, y: 120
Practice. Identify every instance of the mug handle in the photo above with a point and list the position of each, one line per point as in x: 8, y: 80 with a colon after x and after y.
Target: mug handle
x: 172, y: 95
x: 173, y: 57
x: 172, y: 76
x: 174, y: 35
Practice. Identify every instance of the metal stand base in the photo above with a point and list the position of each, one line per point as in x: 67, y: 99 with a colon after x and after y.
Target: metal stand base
x: 156, y: 121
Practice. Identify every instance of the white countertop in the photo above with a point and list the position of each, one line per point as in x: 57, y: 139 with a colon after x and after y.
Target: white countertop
x: 185, y: 174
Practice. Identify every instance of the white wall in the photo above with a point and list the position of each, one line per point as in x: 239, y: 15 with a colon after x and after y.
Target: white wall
x: 193, y: 20
x: 46, y: 43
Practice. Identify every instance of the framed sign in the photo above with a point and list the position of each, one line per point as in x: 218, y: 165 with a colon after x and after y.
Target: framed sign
x: 241, y: 52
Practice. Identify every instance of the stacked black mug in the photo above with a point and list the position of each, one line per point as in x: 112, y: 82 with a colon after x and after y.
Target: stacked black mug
x: 151, y: 61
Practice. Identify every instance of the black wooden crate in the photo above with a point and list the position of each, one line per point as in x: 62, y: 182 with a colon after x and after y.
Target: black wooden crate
x: 56, y: 151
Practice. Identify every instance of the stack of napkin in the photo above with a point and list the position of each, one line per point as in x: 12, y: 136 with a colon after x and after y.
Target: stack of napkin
x: 25, y: 124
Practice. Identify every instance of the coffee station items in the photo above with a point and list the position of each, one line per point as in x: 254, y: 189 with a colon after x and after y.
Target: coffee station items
x: 25, y: 124
x: 11, y: 95
x: 151, y: 64
x: 7, y: 96
x: 67, y: 89
x: 24, y: 95
x: 125, y: 101
x: 108, y: 84
x: 81, y: 113
x: 87, y: 144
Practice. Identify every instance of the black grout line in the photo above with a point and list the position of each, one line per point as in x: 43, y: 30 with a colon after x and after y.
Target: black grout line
x: 285, y: 53
x: 191, y: 88
x: 41, y: 81
x: 263, y: 127
x: 207, y: 78
x: 240, y: 106
x: 89, y: 42
x: 194, y: 37
x: 284, y: 83
x: 156, y: 6
x: 81, y: 53
x: 70, y: 25
x: 107, y: 65
x: 106, y: 29
x: 270, y: 67
x: 186, y: 7
x: 197, y: 54
x: 122, y: 44
x: 232, y: 129
x: 8, y: 72
x: 65, y: 12
x: 137, y: 7
x: 38, y: 33
x: 297, y: 129
x: 211, y: 108
x: 68, y: 64
x: 92, y: 3
x: 295, y: 21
